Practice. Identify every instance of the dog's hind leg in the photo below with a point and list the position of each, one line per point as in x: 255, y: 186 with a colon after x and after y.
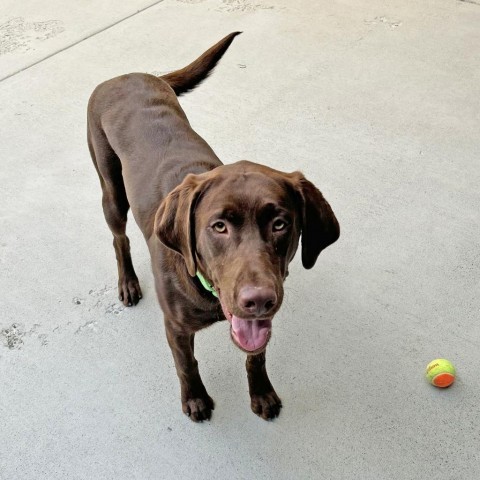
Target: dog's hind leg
x: 115, y: 208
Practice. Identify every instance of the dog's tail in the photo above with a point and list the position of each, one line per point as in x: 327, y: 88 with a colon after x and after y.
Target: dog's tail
x: 189, y: 77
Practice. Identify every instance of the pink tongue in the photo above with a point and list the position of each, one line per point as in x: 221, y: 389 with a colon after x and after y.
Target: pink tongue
x: 251, y: 334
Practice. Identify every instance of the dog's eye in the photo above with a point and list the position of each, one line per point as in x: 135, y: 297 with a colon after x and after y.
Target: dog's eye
x: 220, y: 227
x: 279, y: 225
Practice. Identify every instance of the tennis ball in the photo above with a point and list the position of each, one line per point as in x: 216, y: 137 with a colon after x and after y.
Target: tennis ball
x: 440, y: 372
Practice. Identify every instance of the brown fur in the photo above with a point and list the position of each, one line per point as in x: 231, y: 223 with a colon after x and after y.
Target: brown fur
x: 150, y: 160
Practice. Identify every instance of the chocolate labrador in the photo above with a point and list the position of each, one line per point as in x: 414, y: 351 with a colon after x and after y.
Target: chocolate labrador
x: 220, y: 236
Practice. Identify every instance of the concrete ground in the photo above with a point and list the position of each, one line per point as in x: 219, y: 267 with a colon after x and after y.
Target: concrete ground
x: 376, y: 102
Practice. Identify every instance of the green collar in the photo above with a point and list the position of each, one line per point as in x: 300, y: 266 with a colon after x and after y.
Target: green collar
x: 206, y: 285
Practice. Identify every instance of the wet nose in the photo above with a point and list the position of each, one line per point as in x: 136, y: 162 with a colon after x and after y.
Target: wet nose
x: 257, y: 300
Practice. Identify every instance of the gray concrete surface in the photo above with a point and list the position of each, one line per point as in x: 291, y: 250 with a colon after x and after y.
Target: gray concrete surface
x: 378, y: 103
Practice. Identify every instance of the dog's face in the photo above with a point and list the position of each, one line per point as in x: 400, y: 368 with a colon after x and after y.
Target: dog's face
x: 239, y: 225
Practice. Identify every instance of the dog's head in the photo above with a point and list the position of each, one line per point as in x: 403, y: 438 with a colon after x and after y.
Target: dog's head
x: 239, y: 225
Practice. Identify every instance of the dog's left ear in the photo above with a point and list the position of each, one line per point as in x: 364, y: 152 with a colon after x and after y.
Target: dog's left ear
x: 320, y: 227
x: 174, y: 223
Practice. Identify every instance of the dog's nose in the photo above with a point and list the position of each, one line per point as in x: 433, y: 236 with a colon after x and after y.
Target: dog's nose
x: 257, y: 300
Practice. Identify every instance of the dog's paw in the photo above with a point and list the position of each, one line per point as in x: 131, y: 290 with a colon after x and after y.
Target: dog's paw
x: 266, y: 406
x: 198, y: 409
x: 129, y: 291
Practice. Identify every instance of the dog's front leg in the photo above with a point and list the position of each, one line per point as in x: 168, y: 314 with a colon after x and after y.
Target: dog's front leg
x: 196, y: 403
x: 264, y: 400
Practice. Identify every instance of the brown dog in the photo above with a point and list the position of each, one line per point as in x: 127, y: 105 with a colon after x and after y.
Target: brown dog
x: 236, y: 225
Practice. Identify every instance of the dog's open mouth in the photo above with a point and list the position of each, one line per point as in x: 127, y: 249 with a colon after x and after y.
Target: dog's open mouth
x: 249, y: 335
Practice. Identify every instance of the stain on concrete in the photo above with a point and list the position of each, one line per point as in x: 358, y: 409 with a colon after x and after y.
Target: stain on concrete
x: 12, y: 336
x: 115, y: 308
x: 90, y: 326
x: 385, y: 21
x: 19, y: 34
x: 102, y: 301
x: 242, y: 6
x: 234, y: 5
x: 99, y: 292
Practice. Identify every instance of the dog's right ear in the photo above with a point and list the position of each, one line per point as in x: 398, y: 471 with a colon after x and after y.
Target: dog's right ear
x: 174, y: 222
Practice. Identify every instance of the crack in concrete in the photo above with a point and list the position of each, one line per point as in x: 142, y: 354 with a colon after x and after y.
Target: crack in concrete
x: 80, y: 41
